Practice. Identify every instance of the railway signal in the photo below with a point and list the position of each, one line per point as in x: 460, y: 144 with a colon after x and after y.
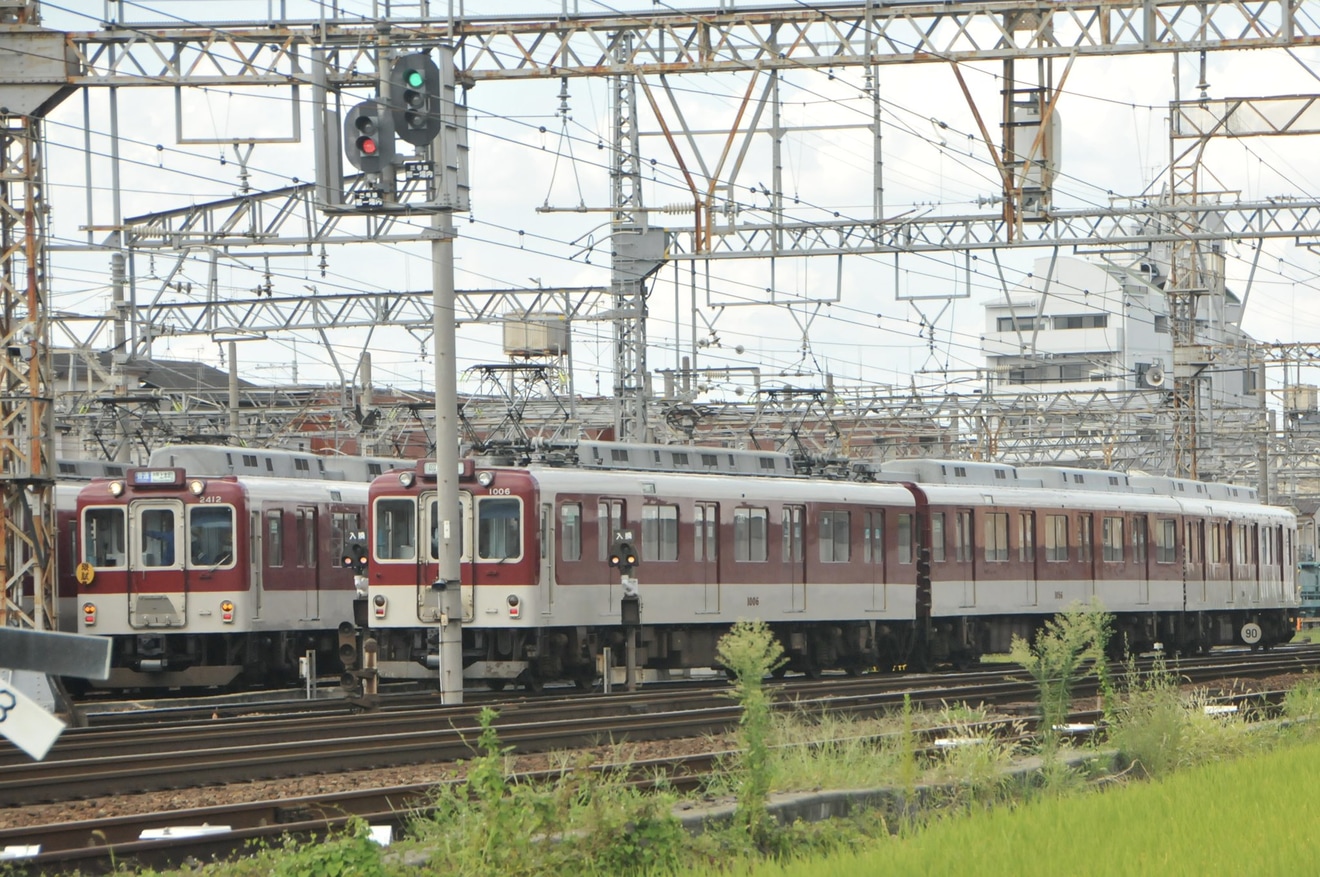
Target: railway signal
x: 623, y: 556
x: 369, y: 137
x: 355, y: 557
x: 415, y: 98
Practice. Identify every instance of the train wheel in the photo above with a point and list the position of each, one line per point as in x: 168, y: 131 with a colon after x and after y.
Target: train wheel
x: 532, y: 683
x: 495, y: 684
x: 779, y: 672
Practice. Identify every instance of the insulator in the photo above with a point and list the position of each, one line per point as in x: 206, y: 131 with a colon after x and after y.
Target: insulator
x: 674, y: 209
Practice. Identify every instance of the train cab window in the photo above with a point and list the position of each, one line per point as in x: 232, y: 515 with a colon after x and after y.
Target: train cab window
x: 1139, y: 526
x: 904, y: 538
x: 834, y: 545
x: 996, y: 537
x: 432, y: 524
x: 660, y: 532
x: 1111, y: 538
x: 396, y: 529
x: 157, y: 534
x: 570, y: 531
x: 103, y: 537
x: 498, y: 529
x: 1166, y: 533
x: 210, y: 535
x: 750, y: 534
x: 1056, y: 538
x: 937, y: 537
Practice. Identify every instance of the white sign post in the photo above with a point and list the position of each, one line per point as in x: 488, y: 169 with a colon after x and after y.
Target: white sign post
x: 25, y: 723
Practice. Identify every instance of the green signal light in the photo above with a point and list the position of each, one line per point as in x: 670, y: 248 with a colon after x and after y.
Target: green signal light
x: 415, y: 79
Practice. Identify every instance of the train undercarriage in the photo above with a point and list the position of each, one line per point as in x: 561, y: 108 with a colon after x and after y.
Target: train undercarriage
x: 535, y: 657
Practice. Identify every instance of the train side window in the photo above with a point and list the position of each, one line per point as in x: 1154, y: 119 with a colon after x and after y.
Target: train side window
x: 1056, y: 538
x: 103, y: 537
x: 996, y: 537
x: 1139, y: 539
x: 275, y: 537
x: 1166, y: 534
x: 904, y: 538
x: 1111, y: 536
x: 609, y: 520
x: 498, y: 529
x: 396, y: 528
x: 834, y: 536
x: 660, y: 532
x: 937, y: 537
x: 750, y: 534
x: 211, y: 535
x: 570, y: 531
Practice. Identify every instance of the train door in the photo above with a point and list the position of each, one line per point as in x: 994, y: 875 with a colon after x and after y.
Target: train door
x: 430, y: 525
x: 706, y: 529
x: 965, y: 545
x: 1193, y: 562
x: 157, y: 589
x: 1086, y: 552
x: 873, y: 553
x: 794, y: 555
x: 546, y: 564
x: 255, y: 555
x: 305, y: 521
x: 1141, y: 557
x: 610, y: 519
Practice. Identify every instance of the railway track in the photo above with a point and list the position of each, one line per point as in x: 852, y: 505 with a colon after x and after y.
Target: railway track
x: 101, y: 762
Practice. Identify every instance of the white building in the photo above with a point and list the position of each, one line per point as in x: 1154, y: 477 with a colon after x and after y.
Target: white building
x: 1085, y: 326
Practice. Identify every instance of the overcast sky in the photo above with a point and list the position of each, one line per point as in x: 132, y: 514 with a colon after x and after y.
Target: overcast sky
x: 849, y: 320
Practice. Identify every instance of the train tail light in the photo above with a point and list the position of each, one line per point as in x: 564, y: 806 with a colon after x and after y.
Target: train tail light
x: 515, y: 606
x: 89, y: 613
x: 379, y: 602
x: 227, y: 611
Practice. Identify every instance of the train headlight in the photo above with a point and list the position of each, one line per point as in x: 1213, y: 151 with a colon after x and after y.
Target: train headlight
x: 116, y: 488
x: 89, y: 613
x: 407, y: 478
x: 197, y: 487
x: 227, y: 611
x: 515, y: 606
x: 485, y: 479
x: 379, y: 602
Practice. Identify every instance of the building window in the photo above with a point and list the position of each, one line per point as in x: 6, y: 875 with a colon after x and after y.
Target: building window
x: 1025, y: 323
x: 750, y: 534
x: 833, y: 537
x: 1081, y: 321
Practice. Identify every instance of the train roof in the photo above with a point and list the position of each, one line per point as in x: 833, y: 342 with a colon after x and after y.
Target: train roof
x: 272, y: 462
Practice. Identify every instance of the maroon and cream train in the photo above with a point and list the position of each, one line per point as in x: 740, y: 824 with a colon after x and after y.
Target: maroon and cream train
x: 201, y: 579
x: 831, y: 565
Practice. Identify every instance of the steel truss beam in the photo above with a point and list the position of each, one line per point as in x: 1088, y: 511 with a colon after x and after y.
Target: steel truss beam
x: 150, y: 53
